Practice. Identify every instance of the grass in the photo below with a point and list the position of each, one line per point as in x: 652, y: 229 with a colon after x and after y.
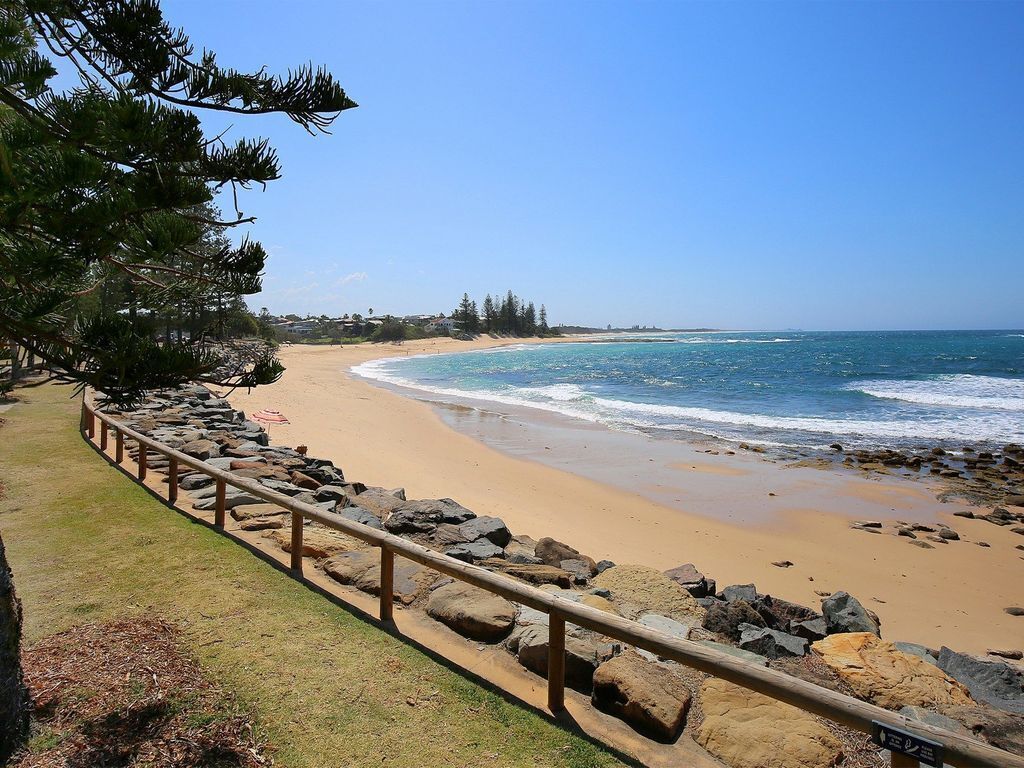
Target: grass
x: 86, y: 544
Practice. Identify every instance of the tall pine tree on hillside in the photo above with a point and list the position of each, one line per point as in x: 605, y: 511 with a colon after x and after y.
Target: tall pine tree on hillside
x: 102, y: 187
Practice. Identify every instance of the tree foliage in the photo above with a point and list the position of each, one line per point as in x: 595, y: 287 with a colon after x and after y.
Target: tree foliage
x: 509, y: 315
x: 105, y: 189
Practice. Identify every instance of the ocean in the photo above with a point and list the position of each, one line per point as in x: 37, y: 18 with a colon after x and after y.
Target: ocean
x: 804, y: 390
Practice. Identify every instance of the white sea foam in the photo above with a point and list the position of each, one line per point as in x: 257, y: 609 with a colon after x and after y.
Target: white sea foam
x: 951, y: 391
x: 573, y: 400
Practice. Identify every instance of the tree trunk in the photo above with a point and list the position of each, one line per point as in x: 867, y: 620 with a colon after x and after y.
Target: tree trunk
x: 13, y: 694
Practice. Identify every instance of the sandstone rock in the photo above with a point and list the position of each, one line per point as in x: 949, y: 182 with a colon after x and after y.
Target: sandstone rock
x: 637, y: 589
x: 491, y: 528
x: 262, y: 524
x: 471, y: 611
x: 303, y: 480
x: 726, y: 618
x: 844, y: 613
x: 880, y: 673
x: 648, y: 696
x: 582, y: 656
x: 317, y: 543
x: 253, y: 511
x: 410, y: 580
x: 552, y: 552
x: 991, y: 682
x: 348, y: 567
x: 532, y: 574
x: 745, y: 729
x: 201, y: 449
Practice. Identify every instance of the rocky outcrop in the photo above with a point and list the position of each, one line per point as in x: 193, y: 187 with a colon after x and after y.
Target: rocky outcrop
x: 744, y: 729
x: 552, y: 552
x: 879, y: 672
x: 471, y: 611
x: 726, y: 618
x: 771, y: 642
x: 650, y: 697
x: 693, y: 581
x: 995, y: 683
x: 637, y: 589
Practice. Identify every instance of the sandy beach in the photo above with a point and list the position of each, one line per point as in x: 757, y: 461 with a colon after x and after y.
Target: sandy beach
x: 661, y: 504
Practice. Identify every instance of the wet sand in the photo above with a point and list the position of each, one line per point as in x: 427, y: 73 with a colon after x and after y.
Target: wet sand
x: 630, y: 498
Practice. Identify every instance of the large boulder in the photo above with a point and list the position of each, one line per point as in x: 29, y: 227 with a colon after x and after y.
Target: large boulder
x: 379, y: 501
x: 637, y: 589
x: 879, y: 672
x: 201, y: 449
x: 553, y: 552
x: 472, y: 612
x: 649, y: 696
x: 317, y: 543
x: 1002, y: 730
x: 583, y: 655
x: 532, y: 574
x: 726, y: 618
x: 995, y: 683
x: 360, y: 515
x: 844, y: 613
x: 745, y: 729
x: 472, y: 551
x: 491, y: 528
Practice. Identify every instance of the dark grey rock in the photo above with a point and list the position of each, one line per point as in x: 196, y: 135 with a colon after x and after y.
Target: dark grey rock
x: 481, y: 549
x: 745, y: 592
x: 725, y: 618
x: 771, y: 642
x: 195, y: 481
x: 916, y: 649
x: 491, y: 528
x: 844, y: 613
x: 604, y: 565
x: 332, y: 493
x: 360, y: 515
x: 811, y: 629
x: 992, y: 682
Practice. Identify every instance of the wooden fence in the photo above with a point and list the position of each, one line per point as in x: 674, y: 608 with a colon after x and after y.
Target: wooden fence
x: 957, y: 749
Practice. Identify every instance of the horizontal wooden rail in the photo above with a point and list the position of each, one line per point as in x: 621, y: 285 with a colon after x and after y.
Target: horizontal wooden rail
x: 958, y: 750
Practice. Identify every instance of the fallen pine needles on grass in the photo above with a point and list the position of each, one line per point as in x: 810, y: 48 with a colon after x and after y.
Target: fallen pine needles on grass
x: 123, y: 693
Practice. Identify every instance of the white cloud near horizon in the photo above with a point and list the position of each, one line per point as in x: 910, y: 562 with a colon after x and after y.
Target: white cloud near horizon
x: 354, y: 277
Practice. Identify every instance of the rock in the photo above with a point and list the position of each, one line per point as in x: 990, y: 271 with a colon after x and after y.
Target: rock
x: 261, y: 524
x: 532, y: 574
x: 348, y: 567
x: 745, y: 592
x: 1013, y: 655
x: 195, y: 481
x: 284, y: 487
x: 472, y: 612
x: 582, y: 656
x: 745, y: 729
x: 253, y: 511
x: 949, y: 534
x: 580, y: 569
x: 201, y: 449
x: 936, y: 539
x: 637, y: 589
x: 332, y: 493
x: 783, y: 564
x: 779, y: 614
x: 811, y: 629
x: 928, y: 717
x: 648, y: 696
x: 771, y: 642
x: 360, y: 515
x: 664, y: 624
x: 689, y: 578
x: 964, y: 513
x: 398, y: 493
x: 230, y: 501
x: 604, y: 565
x: 922, y: 544
x: 304, y: 481
x: 880, y: 673
x: 552, y: 552
x: 491, y: 528
x: 726, y: 618
x: 441, y: 510
x: 1000, y: 729
x: 472, y: 551
x: 403, y: 522
x: 916, y: 649
x: 991, y: 682
x: 844, y: 613
x: 317, y: 543
x: 908, y: 532
x: 1014, y: 610
x: 732, y: 650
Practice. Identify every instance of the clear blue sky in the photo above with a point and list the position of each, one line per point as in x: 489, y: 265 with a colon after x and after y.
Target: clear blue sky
x: 769, y: 165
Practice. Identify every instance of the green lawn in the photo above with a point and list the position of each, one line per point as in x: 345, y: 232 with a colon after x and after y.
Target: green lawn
x: 87, y: 544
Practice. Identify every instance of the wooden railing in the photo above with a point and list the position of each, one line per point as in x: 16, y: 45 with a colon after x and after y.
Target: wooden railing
x: 958, y: 750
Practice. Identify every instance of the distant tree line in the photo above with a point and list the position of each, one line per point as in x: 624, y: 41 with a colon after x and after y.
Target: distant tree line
x: 507, y: 315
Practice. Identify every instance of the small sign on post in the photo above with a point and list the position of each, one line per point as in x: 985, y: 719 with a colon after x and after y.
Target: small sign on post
x: 905, y: 743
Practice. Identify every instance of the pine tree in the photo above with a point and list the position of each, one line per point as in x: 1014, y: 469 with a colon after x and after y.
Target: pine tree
x: 101, y: 187
x: 543, y: 321
x: 489, y: 314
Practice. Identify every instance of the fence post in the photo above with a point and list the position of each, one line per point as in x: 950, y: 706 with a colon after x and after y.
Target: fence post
x: 103, y: 435
x: 118, y: 446
x: 143, y: 455
x: 556, y: 662
x: 219, y: 514
x: 296, y: 542
x: 90, y: 422
x: 387, y: 584
x: 172, y: 480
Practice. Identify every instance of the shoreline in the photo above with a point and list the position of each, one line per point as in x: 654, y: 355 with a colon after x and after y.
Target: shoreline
x: 953, y: 594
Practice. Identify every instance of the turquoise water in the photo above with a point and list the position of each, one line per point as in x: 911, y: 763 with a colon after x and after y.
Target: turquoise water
x: 868, y: 389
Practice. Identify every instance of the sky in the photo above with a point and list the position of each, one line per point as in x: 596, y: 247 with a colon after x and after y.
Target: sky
x: 769, y: 165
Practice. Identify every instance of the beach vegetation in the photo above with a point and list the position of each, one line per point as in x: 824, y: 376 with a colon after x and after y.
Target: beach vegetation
x: 107, y: 228
x: 510, y: 315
